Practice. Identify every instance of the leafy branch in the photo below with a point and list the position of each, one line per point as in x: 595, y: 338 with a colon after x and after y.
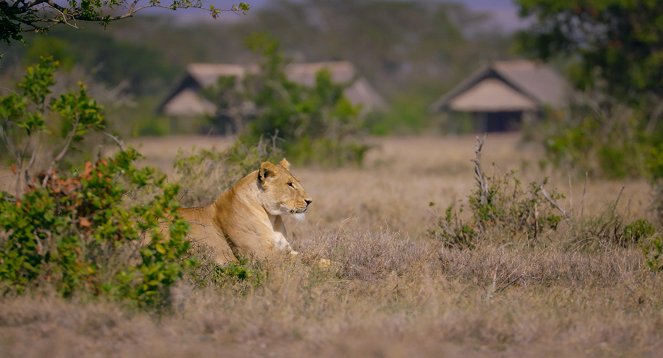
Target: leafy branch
x: 20, y: 16
x: 31, y: 112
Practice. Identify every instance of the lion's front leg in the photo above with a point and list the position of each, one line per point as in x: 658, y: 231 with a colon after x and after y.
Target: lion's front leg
x: 280, y: 237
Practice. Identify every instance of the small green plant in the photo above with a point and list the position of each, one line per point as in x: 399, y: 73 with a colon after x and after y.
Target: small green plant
x: 638, y: 230
x: 452, y: 231
x: 500, y: 204
x: 653, y: 251
x: 207, y: 273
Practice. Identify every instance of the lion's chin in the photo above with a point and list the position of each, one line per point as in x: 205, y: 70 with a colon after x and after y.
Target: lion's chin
x: 299, y: 216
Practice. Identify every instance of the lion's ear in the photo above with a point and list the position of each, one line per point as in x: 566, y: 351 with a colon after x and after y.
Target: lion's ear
x: 285, y: 163
x: 266, y: 170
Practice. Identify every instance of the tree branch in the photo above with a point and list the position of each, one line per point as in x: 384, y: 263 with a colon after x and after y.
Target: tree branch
x: 117, y: 140
x: 63, y: 152
x: 553, y: 202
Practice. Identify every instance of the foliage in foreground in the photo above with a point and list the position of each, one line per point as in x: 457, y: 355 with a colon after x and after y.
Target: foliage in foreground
x: 31, y: 117
x: 86, y: 233
x: 94, y: 231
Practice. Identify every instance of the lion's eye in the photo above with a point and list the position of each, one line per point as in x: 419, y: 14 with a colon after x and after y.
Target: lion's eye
x: 291, y: 185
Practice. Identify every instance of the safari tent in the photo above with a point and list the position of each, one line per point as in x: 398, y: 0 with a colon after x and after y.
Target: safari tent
x: 503, y: 94
x: 186, y: 99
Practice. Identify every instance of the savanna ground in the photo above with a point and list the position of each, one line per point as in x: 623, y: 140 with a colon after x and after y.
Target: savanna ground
x: 394, y: 291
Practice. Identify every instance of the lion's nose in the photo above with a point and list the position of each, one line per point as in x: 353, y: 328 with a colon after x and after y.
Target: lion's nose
x: 308, y: 201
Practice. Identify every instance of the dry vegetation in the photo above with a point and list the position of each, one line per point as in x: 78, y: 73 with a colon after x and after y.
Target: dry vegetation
x: 394, y: 291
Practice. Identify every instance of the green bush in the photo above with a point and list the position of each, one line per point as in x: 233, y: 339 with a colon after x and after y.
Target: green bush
x: 499, y: 204
x: 638, y: 230
x: 85, y: 233
x: 107, y: 228
x: 406, y: 114
x: 326, y: 151
x: 608, y: 229
x: 505, y: 207
x: 452, y: 231
x: 32, y: 122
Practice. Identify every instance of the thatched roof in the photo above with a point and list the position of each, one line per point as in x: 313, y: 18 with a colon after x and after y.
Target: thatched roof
x: 518, y: 85
x: 206, y: 74
x: 185, y: 101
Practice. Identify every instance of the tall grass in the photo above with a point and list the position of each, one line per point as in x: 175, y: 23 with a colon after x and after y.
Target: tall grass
x: 394, y: 291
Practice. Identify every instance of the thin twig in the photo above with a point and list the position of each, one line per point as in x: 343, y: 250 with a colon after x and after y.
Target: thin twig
x: 582, y: 201
x: 570, y: 192
x: 553, y: 202
x: 614, y: 204
x: 6, y: 139
x: 478, y: 170
x: 63, y: 152
x: 115, y: 139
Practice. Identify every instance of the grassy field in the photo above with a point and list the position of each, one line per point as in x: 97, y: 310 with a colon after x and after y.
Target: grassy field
x: 395, y: 291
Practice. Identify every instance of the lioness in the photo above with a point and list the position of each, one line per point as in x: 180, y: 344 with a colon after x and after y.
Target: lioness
x: 246, y: 220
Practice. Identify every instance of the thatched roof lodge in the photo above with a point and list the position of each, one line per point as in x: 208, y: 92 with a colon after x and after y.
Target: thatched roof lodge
x: 185, y: 100
x: 503, y: 94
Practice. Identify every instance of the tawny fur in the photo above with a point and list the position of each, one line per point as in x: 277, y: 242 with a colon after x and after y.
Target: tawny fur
x: 246, y: 220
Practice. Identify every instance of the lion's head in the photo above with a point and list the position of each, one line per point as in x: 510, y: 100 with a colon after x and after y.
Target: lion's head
x: 281, y: 192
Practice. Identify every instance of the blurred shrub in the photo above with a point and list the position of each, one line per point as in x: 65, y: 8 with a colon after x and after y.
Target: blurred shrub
x: 406, y: 114
x: 97, y: 230
x: 624, y: 144
x: 206, y: 173
x: 151, y: 127
x: 638, y: 230
x: 615, y: 146
x: 317, y: 124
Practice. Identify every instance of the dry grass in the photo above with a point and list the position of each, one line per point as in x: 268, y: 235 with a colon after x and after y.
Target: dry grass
x: 394, y: 292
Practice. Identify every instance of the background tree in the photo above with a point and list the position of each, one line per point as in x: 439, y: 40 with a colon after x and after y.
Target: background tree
x: 615, y: 51
x: 317, y: 124
x: 617, y: 43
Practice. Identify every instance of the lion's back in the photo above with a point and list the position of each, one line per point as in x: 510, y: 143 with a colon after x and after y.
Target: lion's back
x: 202, y: 230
